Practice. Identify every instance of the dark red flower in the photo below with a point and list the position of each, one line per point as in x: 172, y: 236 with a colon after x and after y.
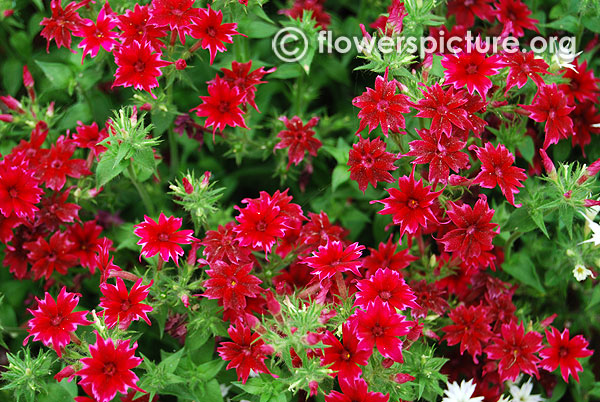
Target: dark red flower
x: 514, y: 15
x: 445, y: 108
x: 355, y: 390
x: 466, y: 11
x: 522, y: 66
x: 123, y: 307
x: 89, y: 137
x: 586, y: 121
x: 19, y: 191
x: 564, y: 352
x: 208, y: 26
x: 7, y: 225
x: 319, y: 231
x: 56, y: 164
x: 382, y: 106
x: 162, y: 238
x: 389, y: 287
x: 58, y: 255
x: 96, y: 35
x: 86, y: 242
x: 333, y: 258
x: 299, y: 138
x: 386, y: 257
x: 246, y: 352
x: 582, y: 84
x: 315, y: 7
x: 220, y: 245
x: 176, y: 14
x: 54, y: 321
x: 345, y: 357
x: 136, y: 27
x: 370, y: 163
x: 470, y: 328
x: 231, y: 283
x: 62, y: 24
x: 246, y: 81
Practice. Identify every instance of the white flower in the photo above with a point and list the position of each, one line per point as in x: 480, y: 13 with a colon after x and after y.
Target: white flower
x: 523, y: 394
x: 595, y: 228
x: 461, y: 393
x: 565, y: 59
x: 581, y: 273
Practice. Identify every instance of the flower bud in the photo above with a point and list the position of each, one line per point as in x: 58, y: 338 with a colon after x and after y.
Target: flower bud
x: 11, y: 103
x: 187, y: 186
x: 8, y: 118
x: 180, y: 64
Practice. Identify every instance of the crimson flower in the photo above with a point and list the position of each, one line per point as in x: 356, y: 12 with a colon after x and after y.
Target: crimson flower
x: 220, y: 245
x: 389, y: 287
x: 138, y: 66
x: 470, y: 328
x: 49, y: 256
x: 162, y: 238
x: 586, y: 121
x: 208, y: 26
x: 231, y: 283
x: 86, y: 242
x: 246, y: 81
x: 522, y: 66
x: 466, y: 11
x: 122, y: 306
x: 345, y: 357
x: 386, y: 257
x: 379, y: 325
x: 409, y: 204
x: 319, y: 230
x: 370, y: 163
x: 19, y: 191
x: 471, y: 69
x: 444, y: 107
x: 515, y: 349
x: 136, y: 27
x: 355, y: 390
x: 441, y: 152
x: 582, y: 85
x: 108, y: 371
x: 333, y: 258
x: 6, y: 227
x: 550, y: 106
x: 474, y: 231
x: 382, y: 106
x: 514, y: 15
x: 54, y: 321
x: 564, y: 352
x: 299, y: 138
x: 246, y: 352
x: 89, y: 137
x: 56, y: 164
x: 497, y: 169
x: 174, y: 13
x: 221, y: 106
x: 97, y: 34
x: 315, y: 7
x: 62, y: 23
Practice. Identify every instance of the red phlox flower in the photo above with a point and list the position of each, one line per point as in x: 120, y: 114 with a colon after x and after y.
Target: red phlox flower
x: 550, y: 106
x: 108, y: 370
x: 333, y: 258
x: 209, y: 27
x: 220, y: 245
x: 379, y: 325
x: 522, y: 66
x: 514, y: 15
x: 370, y: 163
x: 62, y: 23
x: 19, y: 191
x: 246, y: 81
x: 466, y: 11
x: 54, y: 321
x: 177, y: 14
x: 393, y: 21
x: 382, y: 106
x: 409, y: 204
x: 319, y: 230
x: 57, y: 254
x: 389, y: 287
x: 222, y: 106
x: 86, y: 242
x: 386, y: 257
x: 586, y: 121
x: 89, y: 137
x: 474, y: 105
x: 103, y: 260
x: 444, y: 107
x: 15, y: 256
x: 96, y: 35
x: 582, y: 85
x: 318, y: 13
x: 7, y: 225
x: 299, y: 138
x: 56, y: 165
x: 355, y: 390
x: 471, y: 68
x: 470, y: 328
x: 32, y: 149
x: 247, y: 352
x: 497, y: 169
x: 474, y: 231
x: 162, y: 238
x: 564, y: 352
x: 515, y: 349
x: 345, y: 357
x: 136, y: 27
x: 441, y: 152
x: 231, y: 283
x: 122, y: 306
x: 138, y: 66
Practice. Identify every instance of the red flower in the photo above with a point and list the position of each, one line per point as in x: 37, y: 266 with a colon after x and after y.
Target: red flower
x: 316, y: 9
x: 514, y: 15
x: 55, y: 255
x: 333, y: 258
x: 231, y: 283
x: 582, y: 85
x: 550, y: 106
x: 409, y: 204
x: 474, y: 231
x: 108, y: 371
x: 382, y: 105
x: 522, y: 66
x: 246, y: 81
x: 122, y: 306
x: 89, y: 137
x: 56, y: 165
x: 370, y: 163
x: 345, y: 357
x: 220, y: 245
x: 355, y: 390
x: 136, y: 27
x: 162, y: 238
x: 466, y: 11
x: 246, y: 352
x: 515, y: 349
x: 19, y: 191
x: 471, y: 69
x: 299, y: 138
x: 86, y: 243
x: 62, y: 23
x: 104, y: 262
x: 445, y: 108
x: 389, y: 287
x: 319, y: 231
x: 208, y: 26
x: 586, y: 121
x: 497, y: 169
x: 564, y: 352
x: 174, y: 13
x: 6, y: 227
x: 138, y: 66
x: 221, y: 106
x: 96, y: 35
x: 441, y: 152
x: 386, y: 256
x: 54, y: 321
x: 470, y: 328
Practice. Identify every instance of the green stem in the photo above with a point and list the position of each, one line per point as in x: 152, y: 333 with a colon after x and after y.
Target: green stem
x: 508, y: 246
x: 141, y: 190
x: 174, y: 153
x: 298, y: 97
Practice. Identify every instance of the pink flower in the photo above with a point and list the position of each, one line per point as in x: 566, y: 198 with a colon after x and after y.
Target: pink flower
x: 333, y: 258
x: 564, y: 352
x: 208, y: 26
x: 122, y: 306
x: 389, y: 287
x: 162, y: 238
x: 345, y: 357
x: 97, y: 35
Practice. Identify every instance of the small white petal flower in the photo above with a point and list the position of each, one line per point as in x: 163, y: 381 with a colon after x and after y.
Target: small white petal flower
x: 523, y: 394
x: 461, y: 393
x: 565, y: 59
x: 595, y: 228
x: 581, y: 273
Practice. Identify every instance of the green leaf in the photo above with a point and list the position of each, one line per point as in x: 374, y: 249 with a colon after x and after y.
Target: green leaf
x: 144, y: 158
x: 519, y: 220
x: 107, y: 169
x: 339, y: 176
x: 592, y: 23
x: 59, y: 74
x: 595, y: 299
x: 169, y: 364
x: 261, y: 30
x: 521, y: 267
x: 568, y: 23
x: 12, y: 75
x: 527, y: 149
x: 538, y: 218
x: 161, y: 120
